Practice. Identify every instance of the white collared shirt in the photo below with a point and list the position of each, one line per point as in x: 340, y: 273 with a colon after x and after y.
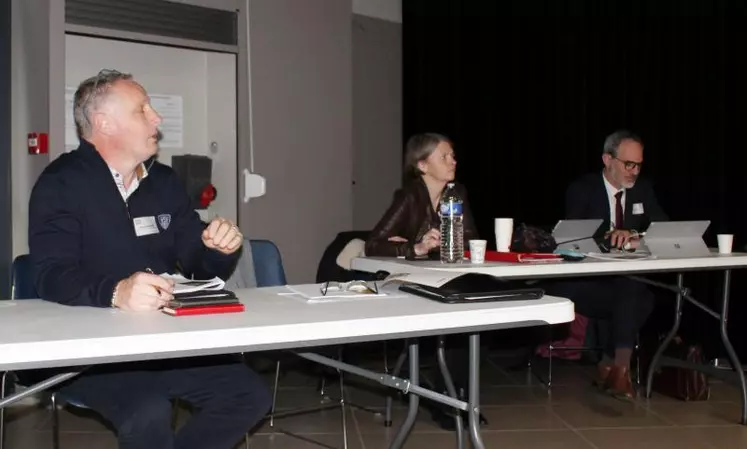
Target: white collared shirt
x: 611, y: 192
x: 140, y: 173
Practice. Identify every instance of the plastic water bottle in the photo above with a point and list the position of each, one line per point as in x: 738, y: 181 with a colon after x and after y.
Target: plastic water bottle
x: 452, y: 228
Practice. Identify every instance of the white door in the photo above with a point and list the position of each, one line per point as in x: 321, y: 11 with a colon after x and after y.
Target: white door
x: 195, y: 92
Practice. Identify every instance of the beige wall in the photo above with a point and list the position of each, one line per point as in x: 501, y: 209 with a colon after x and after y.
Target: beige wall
x: 37, y: 51
x: 301, y: 104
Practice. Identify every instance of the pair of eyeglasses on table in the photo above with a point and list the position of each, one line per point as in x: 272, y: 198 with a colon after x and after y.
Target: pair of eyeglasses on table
x: 352, y: 286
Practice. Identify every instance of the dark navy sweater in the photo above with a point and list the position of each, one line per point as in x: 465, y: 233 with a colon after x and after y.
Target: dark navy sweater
x: 81, y: 234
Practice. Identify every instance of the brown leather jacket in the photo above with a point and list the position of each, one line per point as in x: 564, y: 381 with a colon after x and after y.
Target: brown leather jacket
x: 410, y: 216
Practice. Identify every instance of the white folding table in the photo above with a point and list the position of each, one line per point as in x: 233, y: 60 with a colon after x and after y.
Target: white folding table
x: 598, y: 267
x: 39, y: 334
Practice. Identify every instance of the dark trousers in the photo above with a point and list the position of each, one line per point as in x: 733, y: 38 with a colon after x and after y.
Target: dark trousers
x: 625, y: 303
x: 228, y: 398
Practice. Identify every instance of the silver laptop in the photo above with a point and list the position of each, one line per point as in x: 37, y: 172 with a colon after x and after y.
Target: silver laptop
x: 675, y: 239
x: 577, y: 235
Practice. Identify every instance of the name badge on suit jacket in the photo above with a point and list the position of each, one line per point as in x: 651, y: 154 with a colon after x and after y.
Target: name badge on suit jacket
x: 638, y: 209
x: 145, y: 226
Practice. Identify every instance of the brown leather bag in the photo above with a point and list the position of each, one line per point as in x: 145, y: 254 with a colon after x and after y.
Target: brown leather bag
x: 681, y: 383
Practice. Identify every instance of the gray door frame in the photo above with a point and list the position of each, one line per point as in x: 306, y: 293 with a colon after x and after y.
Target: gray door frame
x: 6, y: 194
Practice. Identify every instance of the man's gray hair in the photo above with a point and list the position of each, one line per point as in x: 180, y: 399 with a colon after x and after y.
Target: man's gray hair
x: 89, y: 95
x: 613, y: 141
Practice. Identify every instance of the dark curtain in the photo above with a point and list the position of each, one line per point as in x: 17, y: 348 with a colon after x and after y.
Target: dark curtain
x: 528, y: 91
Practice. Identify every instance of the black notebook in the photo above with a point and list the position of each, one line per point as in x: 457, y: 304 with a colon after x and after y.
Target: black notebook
x: 203, y: 298
x: 475, y: 287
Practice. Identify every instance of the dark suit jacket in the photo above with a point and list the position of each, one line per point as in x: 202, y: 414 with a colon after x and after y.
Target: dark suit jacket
x: 410, y: 216
x: 587, y: 198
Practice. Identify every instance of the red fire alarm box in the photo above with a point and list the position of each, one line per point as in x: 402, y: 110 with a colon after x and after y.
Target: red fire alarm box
x: 38, y: 143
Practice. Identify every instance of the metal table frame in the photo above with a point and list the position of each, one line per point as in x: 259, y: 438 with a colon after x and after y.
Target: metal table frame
x: 409, y: 386
x: 736, y: 375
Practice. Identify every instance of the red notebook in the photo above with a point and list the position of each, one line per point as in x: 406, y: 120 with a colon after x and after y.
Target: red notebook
x: 204, y: 310
x: 495, y: 256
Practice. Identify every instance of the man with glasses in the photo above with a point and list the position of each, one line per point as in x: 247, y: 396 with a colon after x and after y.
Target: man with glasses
x: 102, y: 220
x: 628, y: 205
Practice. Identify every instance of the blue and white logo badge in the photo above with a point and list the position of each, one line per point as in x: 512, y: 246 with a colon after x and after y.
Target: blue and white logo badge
x: 164, y: 220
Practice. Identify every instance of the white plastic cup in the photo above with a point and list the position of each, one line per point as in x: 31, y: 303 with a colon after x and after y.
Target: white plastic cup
x: 504, y: 229
x: 725, y: 242
x: 477, y: 250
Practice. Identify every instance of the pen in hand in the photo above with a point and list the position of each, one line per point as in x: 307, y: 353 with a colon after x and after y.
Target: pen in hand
x: 158, y: 290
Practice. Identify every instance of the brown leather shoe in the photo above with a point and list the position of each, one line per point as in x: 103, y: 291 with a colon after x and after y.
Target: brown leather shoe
x: 603, y: 373
x: 619, y: 384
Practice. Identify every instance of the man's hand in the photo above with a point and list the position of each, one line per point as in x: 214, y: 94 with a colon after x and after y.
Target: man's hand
x: 223, y: 236
x: 397, y: 239
x: 620, y: 238
x: 431, y: 240
x: 143, y: 292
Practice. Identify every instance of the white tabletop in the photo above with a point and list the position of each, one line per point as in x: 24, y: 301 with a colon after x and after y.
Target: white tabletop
x: 37, y: 334
x: 587, y: 266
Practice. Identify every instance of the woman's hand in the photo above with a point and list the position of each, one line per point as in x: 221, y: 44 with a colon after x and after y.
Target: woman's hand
x: 431, y: 240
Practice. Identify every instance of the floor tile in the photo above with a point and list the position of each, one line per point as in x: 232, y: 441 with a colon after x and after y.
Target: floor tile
x: 659, y: 438
x: 605, y: 412
x: 524, y: 440
x: 699, y: 413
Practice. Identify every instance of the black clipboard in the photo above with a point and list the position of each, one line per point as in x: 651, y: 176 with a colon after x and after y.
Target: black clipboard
x: 203, y: 298
x: 468, y: 298
x: 475, y: 287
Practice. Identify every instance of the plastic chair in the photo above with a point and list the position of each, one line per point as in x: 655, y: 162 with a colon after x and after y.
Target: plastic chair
x: 269, y: 272
x: 268, y: 264
x: 596, y: 332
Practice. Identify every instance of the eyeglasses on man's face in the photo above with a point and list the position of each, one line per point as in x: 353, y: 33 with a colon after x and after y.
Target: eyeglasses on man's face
x: 630, y: 165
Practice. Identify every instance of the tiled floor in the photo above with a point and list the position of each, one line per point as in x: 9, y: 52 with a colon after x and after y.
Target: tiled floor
x: 520, y: 413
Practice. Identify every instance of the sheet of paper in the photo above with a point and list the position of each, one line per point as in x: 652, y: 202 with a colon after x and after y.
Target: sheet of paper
x: 171, y: 110
x: 71, y: 135
x: 431, y: 279
x: 184, y: 285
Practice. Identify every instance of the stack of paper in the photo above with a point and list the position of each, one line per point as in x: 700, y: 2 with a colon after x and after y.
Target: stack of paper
x: 184, y: 285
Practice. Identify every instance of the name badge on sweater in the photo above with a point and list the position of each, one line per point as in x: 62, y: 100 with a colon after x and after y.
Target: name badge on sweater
x: 145, y: 226
x: 638, y: 209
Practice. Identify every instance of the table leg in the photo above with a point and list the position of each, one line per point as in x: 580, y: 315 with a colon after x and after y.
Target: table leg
x: 670, y: 336
x: 395, y: 372
x: 412, y: 411
x: 41, y: 386
x: 735, y: 363
x: 474, y: 392
x: 448, y: 381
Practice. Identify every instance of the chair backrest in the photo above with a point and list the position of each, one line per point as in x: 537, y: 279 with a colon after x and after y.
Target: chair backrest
x: 22, y: 280
x: 268, y: 265
x: 329, y: 269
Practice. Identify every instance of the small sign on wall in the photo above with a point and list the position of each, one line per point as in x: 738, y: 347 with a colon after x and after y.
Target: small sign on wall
x: 171, y: 110
x: 71, y: 135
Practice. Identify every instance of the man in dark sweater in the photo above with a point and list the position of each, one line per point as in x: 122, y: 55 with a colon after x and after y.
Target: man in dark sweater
x: 102, y: 220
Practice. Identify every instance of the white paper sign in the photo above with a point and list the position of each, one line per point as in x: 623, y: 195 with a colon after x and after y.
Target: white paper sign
x: 71, y: 135
x: 171, y: 110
